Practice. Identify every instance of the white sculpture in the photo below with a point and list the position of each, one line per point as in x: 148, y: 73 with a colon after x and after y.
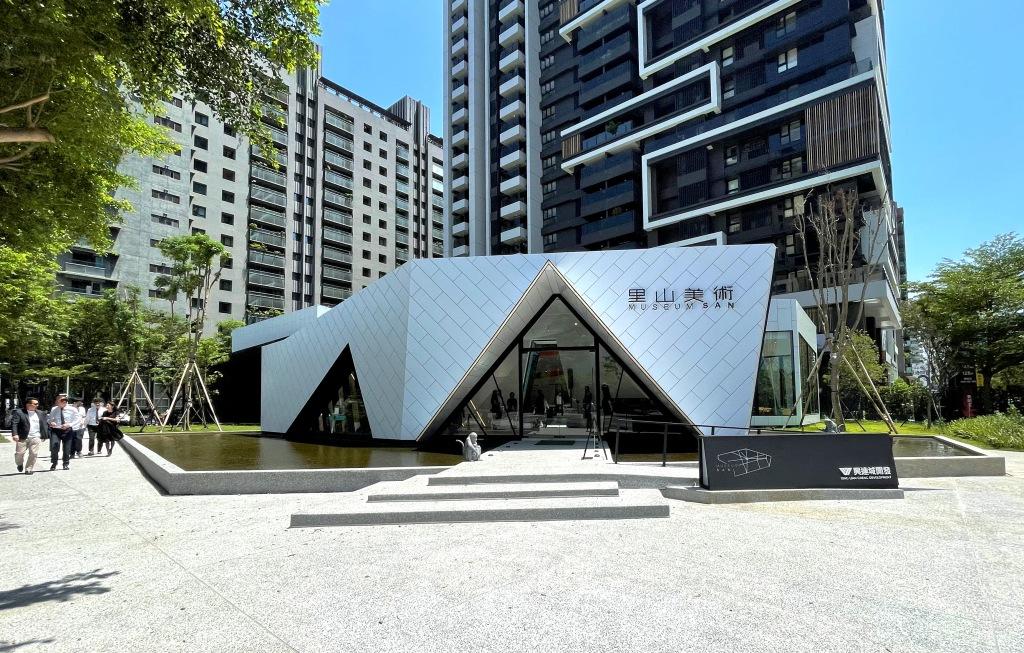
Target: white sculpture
x: 470, y: 449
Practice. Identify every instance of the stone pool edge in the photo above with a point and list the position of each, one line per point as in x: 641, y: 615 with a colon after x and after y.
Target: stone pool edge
x: 979, y: 463
x: 177, y: 481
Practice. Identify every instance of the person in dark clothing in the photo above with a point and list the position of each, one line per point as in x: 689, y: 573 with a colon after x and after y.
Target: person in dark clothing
x: 109, y: 432
x: 512, y: 403
x: 539, y: 403
x: 588, y: 396
x: 496, y: 404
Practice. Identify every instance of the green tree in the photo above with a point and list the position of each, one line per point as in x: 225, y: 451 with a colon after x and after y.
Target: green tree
x: 977, y: 304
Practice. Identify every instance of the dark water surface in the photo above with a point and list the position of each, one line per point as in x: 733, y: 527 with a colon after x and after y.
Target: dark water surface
x: 924, y: 447
x: 232, y: 451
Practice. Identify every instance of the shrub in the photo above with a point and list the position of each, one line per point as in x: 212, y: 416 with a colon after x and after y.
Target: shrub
x: 999, y: 430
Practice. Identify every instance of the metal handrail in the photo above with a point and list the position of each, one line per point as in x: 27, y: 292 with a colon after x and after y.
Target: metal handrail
x: 618, y: 421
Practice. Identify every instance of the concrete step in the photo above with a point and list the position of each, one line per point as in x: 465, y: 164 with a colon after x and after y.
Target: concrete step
x: 512, y: 478
x: 640, y: 504
x: 500, y: 491
x: 700, y: 495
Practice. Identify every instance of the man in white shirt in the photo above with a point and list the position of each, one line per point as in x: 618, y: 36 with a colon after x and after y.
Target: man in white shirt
x: 64, y: 421
x: 28, y: 429
x: 76, y: 450
x: 92, y: 422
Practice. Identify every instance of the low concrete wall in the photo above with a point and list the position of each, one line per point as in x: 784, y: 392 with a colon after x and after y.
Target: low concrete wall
x: 175, y: 480
x: 979, y: 463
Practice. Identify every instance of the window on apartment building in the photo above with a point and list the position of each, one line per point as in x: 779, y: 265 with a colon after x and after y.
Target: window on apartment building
x: 367, y: 202
x: 383, y: 206
x: 382, y: 171
x: 547, y: 87
x: 728, y: 55
x: 382, y: 188
x: 199, y: 165
x: 201, y: 142
x: 547, y: 36
x: 367, y: 183
x: 728, y: 88
x: 154, y: 242
x: 732, y: 155
x: 547, y: 62
x: 790, y: 132
x: 550, y: 215
x: 198, y: 211
x: 549, y: 162
x: 228, y: 175
x: 156, y: 268
x: 367, y: 165
x: 550, y: 240
x: 382, y: 241
x: 167, y: 122
x: 367, y: 147
x: 788, y: 207
x: 789, y: 169
x: 168, y: 197
x: 547, y: 10
x: 202, y: 119
x: 176, y: 101
x: 164, y: 220
x: 227, y: 196
x: 382, y: 258
x: 199, y: 187
x: 785, y: 24
x: 224, y: 307
x: 790, y: 245
x: 382, y: 153
x: 225, y: 284
x: 382, y: 224
x: 549, y: 187
x: 787, y: 60
x: 227, y: 241
x: 384, y: 137
x: 367, y: 219
x: 735, y: 222
x: 366, y: 273
x: 732, y: 186
x: 548, y: 137
x: 227, y: 262
x: 166, y: 172
x: 229, y: 152
x: 197, y: 230
x: 368, y: 129
x: 366, y: 237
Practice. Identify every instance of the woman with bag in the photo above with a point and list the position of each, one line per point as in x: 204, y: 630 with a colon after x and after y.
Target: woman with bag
x: 109, y: 433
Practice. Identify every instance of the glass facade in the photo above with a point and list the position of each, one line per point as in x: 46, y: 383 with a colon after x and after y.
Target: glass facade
x: 775, y: 392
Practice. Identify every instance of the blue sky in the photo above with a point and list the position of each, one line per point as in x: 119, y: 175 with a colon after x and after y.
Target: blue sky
x: 956, y: 96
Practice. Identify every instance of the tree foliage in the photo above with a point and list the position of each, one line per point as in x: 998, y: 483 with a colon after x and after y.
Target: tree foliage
x: 975, y: 308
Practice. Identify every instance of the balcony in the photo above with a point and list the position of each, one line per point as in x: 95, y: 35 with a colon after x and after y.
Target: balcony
x: 512, y: 135
x: 336, y: 274
x: 457, y: 6
x: 512, y: 160
x: 437, y: 249
x: 512, y: 110
x: 85, y: 270
x: 513, y: 236
x: 266, y: 259
x: 512, y: 35
x: 265, y: 301
x: 401, y: 255
x: 513, y: 185
x: 513, y: 210
x: 460, y: 160
x: 278, y: 136
x: 268, y: 176
x: 459, y: 93
x: 265, y: 237
x: 460, y: 69
x: 280, y: 157
x: 340, y: 142
x: 332, y: 235
x: 461, y: 183
x: 339, y: 122
x: 402, y: 205
x: 460, y: 116
x: 337, y: 255
x: 576, y: 14
x: 263, y: 216
x: 460, y: 250
x: 512, y: 86
x: 460, y: 229
x: 337, y: 199
x: 402, y: 187
x: 402, y: 223
x: 275, y: 114
x: 334, y: 159
x: 460, y: 206
x: 402, y: 153
x: 266, y: 279
x: 330, y: 292
x: 459, y: 26
x: 460, y: 47
x: 512, y: 60
x: 460, y: 138
x: 334, y: 179
x: 402, y: 170
x: 268, y: 196
x: 510, y: 11
x: 337, y: 217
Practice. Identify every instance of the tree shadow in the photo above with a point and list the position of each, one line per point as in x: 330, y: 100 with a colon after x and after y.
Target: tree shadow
x: 8, y: 526
x: 61, y: 590
x: 10, y: 646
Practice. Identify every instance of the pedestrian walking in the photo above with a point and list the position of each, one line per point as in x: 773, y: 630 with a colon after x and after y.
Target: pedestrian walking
x: 76, y: 450
x: 28, y: 430
x: 92, y: 423
x: 64, y: 421
x: 109, y: 432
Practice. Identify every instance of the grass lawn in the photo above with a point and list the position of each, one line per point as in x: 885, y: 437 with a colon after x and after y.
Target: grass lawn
x: 198, y: 428
x: 878, y: 426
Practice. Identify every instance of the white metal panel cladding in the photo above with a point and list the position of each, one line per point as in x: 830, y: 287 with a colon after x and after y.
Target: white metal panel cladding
x: 423, y: 335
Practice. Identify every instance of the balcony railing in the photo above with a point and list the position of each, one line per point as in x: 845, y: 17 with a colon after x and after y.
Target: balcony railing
x: 402, y: 205
x: 332, y: 254
x: 274, y: 113
x: 268, y: 196
x: 85, y: 269
x: 335, y: 293
x: 265, y: 301
x: 258, y: 214
x: 337, y: 236
x: 402, y: 222
x: 337, y: 198
x: 607, y: 223
x: 265, y: 258
x: 342, y: 181
x: 268, y: 175
x: 345, y: 144
x: 402, y: 169
x: 266, y: 279
x: 337, y: 274
x: 267, y: 237
x: 337, y: 121
x: 337, y: 217
x: 335, y: 159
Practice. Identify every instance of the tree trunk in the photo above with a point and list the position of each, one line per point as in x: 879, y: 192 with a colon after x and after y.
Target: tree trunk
x: 985, y: 406
x: 833, y: 382
x: 25, y: 135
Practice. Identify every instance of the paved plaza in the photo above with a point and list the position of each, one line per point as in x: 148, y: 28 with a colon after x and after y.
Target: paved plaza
x: 97, y: 559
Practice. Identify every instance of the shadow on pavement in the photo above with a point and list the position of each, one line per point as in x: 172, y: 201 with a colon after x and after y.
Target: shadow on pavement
x: 63, y: 589
x: 10, y: 646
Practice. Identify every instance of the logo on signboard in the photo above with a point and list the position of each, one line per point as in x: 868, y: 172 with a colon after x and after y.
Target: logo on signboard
x: 744, y: 461
x: 690, y: 299
x: 868, y: 473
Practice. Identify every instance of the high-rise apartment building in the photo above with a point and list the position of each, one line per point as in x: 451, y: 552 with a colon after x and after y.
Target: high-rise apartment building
x: 359, y: 190
x: 602, y: 124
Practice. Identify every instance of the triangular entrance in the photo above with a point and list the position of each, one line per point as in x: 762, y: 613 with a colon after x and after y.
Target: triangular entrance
x: 336, y: 406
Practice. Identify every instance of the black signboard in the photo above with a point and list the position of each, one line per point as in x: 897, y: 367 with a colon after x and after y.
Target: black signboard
x: 819, y: 460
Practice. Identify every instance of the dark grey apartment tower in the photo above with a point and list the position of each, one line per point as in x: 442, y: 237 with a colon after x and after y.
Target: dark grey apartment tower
x: 672, y: 123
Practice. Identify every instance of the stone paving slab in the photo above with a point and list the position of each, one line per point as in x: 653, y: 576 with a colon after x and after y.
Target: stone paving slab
x: 97, y: 559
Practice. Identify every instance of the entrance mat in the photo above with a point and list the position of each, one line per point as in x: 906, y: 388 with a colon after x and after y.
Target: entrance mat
x: 556, y: 442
